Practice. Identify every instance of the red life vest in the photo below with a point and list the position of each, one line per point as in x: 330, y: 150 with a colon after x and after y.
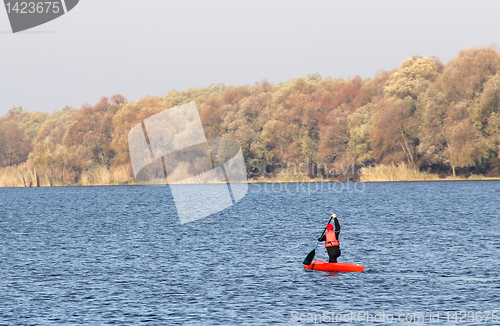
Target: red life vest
x: 331, y: 239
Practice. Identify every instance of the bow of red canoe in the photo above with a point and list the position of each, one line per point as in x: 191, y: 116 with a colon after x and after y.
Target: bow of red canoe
x: 320, y: 265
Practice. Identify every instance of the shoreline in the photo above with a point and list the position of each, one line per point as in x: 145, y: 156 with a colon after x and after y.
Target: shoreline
x: 269, y: 181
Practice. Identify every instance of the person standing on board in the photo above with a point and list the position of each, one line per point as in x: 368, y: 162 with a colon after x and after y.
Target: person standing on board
x: 331, y: 238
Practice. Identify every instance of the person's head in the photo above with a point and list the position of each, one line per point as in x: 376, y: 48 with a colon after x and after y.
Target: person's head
x: 329, y: 226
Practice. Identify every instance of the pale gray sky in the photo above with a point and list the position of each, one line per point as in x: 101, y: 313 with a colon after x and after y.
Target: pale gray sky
x: 104, y: 47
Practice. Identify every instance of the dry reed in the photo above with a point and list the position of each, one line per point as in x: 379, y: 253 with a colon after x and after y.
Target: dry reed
x: 403, y: 172
x: 23, y: 175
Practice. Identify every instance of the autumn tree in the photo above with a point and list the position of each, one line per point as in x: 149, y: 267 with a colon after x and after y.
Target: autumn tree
x: 338, y: 99
x: 88, y: 135
x: 18, y: 129
x: 14, y: 145
x: 244, y: 122
x: 214, y: 109
x: 47, y: 150
x: 450, y: 132
x: 395, y: 116
x: 485, y: 110
x: 413, y: 77
x: 291, y: 134
x: 422, y: 113
x: 127, y: 117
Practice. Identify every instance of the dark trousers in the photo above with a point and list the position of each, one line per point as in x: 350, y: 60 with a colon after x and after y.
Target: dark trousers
x: 333, y: 253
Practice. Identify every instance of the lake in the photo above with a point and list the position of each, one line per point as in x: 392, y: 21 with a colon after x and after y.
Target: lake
x: 117, y: 255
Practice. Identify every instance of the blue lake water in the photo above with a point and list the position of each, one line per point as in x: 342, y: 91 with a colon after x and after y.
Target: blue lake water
x: 117, y: 255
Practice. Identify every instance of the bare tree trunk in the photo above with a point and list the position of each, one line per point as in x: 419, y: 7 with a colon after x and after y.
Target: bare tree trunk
x: 450, y: 153
x: 451, y: 159
x: 36, y: 179
x: 404, y: 150
x: 21, y: 176
x: 409, y: 152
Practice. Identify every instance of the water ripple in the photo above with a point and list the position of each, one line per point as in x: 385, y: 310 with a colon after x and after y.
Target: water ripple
x: 114, y: 255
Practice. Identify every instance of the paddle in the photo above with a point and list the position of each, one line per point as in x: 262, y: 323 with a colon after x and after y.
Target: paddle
x: 309, y: 258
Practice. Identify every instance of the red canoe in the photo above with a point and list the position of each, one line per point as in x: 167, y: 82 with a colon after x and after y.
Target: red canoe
x: 320, y: 265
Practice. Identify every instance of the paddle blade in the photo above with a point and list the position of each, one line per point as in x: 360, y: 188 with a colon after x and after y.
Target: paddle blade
x: 309, y: 258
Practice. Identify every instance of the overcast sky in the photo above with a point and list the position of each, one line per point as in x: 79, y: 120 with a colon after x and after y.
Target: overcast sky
x: 104, y: 47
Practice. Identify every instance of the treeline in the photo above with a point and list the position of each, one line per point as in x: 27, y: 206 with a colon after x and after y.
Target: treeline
x: 431, y: 117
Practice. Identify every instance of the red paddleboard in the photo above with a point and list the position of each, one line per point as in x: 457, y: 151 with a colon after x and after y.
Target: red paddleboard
x: 320, y: 265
